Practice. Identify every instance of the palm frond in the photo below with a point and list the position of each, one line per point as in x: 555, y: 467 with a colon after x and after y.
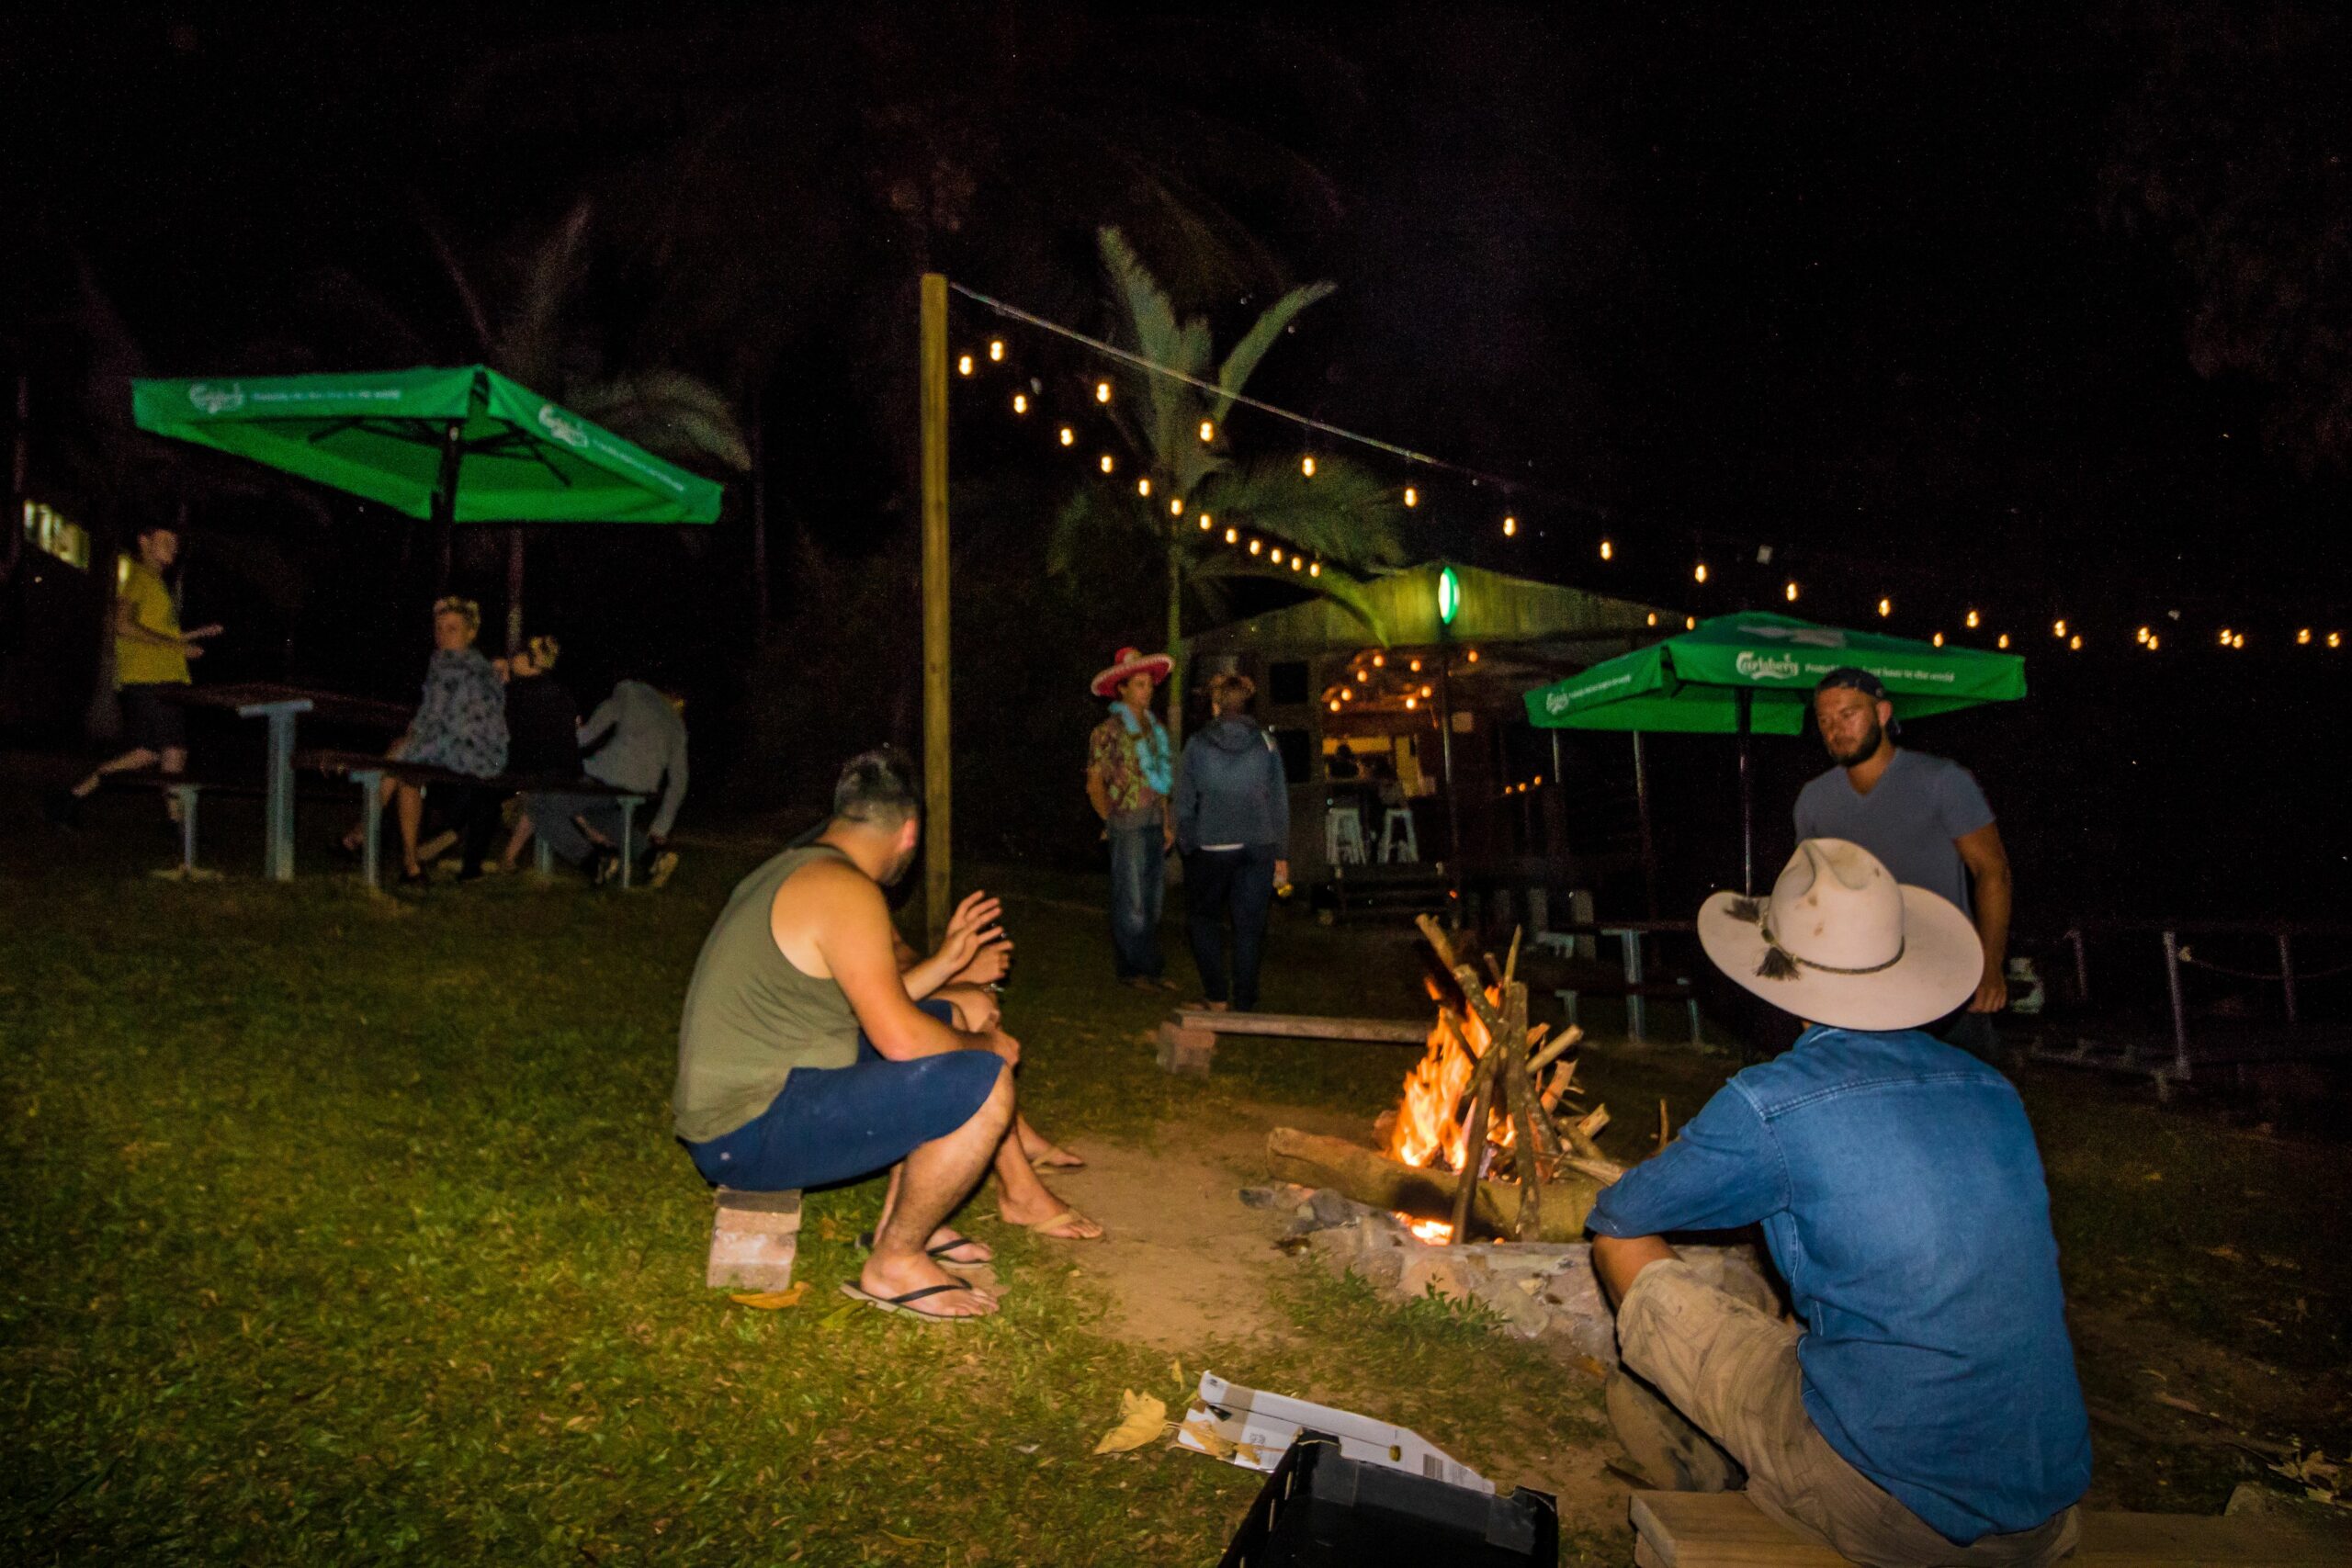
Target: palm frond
x: 1158, y: 336
x: 1334, y: 584
x: 1092, y: 515
x: 1243, y: 361
x: 531, y: 346
x: 1345, y: 513
x: 670, y: 413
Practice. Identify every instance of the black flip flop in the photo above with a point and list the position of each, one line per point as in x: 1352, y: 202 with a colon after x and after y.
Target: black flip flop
x: 938, y: 1254
x: 905, y: 1303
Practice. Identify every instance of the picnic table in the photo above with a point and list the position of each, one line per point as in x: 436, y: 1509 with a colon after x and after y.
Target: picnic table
x: 280, y: 704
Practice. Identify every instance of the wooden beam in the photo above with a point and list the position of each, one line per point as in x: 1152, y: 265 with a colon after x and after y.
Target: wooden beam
x: 937, y: 738
x: 1304, y: 1026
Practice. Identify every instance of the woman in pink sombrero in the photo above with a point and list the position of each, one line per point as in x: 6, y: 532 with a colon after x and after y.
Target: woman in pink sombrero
x: 1130, y: 773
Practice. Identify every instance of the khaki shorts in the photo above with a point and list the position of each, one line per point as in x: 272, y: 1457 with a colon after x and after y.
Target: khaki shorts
x: 1733, y: 1371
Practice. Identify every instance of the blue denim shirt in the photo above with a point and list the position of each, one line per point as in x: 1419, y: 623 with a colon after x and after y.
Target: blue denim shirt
x: 1902, y: 1195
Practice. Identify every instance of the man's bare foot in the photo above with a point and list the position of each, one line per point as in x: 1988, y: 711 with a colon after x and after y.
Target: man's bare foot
x: 1051, y: 1217
x: 1045, y: 1154
x: 886, y: 1278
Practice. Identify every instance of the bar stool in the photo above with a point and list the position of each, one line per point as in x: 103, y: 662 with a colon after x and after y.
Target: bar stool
x: 1398, y: 841
x: 1343, y: 836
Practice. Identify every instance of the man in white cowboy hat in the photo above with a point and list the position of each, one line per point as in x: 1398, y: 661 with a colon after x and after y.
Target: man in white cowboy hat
x: 1130, y: 773
x: 1923, y: 1408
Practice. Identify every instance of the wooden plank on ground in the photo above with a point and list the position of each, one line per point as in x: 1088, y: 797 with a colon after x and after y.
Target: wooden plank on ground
x: 1724, y: 1530
x: 1304, y: 1026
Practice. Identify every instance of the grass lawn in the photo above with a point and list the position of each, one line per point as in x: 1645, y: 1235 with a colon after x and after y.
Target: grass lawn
x: 349, y: 1229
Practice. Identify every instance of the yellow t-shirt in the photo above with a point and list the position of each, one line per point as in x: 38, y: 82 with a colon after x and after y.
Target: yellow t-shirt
x: 146, y: 663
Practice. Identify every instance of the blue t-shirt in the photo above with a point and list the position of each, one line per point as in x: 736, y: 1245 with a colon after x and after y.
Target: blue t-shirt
x: 1902, y: 1196
x: 1909, y: 819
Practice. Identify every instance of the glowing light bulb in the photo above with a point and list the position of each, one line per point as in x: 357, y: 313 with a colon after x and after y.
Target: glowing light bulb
x: 1689, y: 623
x: 962, y: 365
x: 1101, y: 391
x: 1208, y: 522
x: 1020, y: 402
x: 1296, y: 561
x: 1539, y: 781
x: 1349, y: 693
x: 1208, y: 430
x: 2152, y: 641
x: 2303, y: 635
x: 2001, y: 641
x: 1070, y: 436
x: 2140, y: 635
x: 2336, y: 639
x: 1362, y: 675
x: 1473, y: 655
x: 996, y: 349
x: 2238, y: 641
x: 1427, y: 690
x: 2225, y: 637
x: 2058, y: 629
x: 1275, y: 555
x: 1510, y: 526
x: 1792, y: 591
x: 1143, y: 486
x: 1307, y: 465
x: 1885, y: 608
x: 1315, y: 568
x: 1415, y: 667
x: 1175, y: 506
x: 2075, y: 642
x: 1971, y: 620
x: 1412, y: 496
x: 1608, y: 550
x: 1335, y: 704
x: 1700, y: 572
x: 1256, y: 546
x: 1652, y: 618
x: 1412, y: 701
x: 1107, y: 463
x: 1233, y: 536
x: 1938, y: 639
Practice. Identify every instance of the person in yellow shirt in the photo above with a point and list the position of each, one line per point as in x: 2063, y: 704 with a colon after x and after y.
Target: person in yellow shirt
x: 150, y: 655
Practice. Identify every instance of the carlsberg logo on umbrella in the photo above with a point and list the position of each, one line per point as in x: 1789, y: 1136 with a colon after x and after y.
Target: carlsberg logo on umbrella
x: 1766, y: 666
x: 213, y: 396
x: 564, y: 428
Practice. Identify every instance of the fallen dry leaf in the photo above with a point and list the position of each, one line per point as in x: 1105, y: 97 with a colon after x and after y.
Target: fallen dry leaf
x: 1176, y: 1370
x: 772, y: 1301
x: 1141, y: 1418
x: 1215, y: 1443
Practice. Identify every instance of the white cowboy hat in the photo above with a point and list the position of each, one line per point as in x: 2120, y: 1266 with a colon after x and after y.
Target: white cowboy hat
x: 1131, y: 661
x: 1841, y: 942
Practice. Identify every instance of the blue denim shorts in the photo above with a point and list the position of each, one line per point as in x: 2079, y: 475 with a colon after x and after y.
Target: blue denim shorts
x: 833, y: 1124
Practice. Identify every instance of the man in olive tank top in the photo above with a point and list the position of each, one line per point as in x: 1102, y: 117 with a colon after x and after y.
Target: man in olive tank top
x: 803, y: 1060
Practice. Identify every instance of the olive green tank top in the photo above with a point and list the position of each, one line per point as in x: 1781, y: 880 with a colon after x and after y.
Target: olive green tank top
x: 752, y: 1014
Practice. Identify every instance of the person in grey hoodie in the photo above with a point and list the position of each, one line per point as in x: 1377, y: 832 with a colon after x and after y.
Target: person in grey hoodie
x: 1232, y: 810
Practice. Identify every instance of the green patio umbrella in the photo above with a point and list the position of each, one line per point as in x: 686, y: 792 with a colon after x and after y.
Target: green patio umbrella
x: 463, y: 444
x: 1755, y: 672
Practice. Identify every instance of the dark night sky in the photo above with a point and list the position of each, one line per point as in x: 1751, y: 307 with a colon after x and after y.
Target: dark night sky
x: 1856, y: 281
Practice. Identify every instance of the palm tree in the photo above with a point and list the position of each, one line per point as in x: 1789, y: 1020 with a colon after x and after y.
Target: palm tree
x: 1339, y: 515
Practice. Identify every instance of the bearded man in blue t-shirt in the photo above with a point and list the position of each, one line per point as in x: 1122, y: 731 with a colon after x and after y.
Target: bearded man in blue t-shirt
x: 1922, y: 1407
x: 1925, y: 821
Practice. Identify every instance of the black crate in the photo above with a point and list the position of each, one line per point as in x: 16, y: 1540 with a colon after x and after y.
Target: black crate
x: 1321, y: 1510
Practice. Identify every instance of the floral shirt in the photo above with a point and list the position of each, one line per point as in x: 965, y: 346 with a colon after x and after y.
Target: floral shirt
x: 460, y: 724
x: 1112, y: 754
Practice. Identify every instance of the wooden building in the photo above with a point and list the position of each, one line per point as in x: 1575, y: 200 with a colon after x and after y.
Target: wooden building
x: 1427, y: 716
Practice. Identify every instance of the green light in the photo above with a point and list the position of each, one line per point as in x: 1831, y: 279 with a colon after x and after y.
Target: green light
x: 1449, y: 596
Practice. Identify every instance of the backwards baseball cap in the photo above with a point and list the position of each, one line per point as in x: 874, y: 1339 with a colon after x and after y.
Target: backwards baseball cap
x: 1857, y: 680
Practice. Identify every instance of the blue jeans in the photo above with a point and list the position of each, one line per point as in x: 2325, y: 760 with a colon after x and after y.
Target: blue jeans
x: 552, y: 816
x: 1239, y: 884
x: 1138, y: 889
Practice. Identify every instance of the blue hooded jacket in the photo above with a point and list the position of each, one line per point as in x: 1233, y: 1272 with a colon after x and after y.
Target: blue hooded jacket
x: 1230, y: 789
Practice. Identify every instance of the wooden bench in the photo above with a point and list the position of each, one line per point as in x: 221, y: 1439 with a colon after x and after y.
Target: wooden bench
x: 1724, y: 1530
x: 753, y: 1238
x: 368, y: 770
x: 1188, y: 1041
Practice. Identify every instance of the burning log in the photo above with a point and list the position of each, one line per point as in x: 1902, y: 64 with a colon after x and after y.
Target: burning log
x: 1425, y: 1191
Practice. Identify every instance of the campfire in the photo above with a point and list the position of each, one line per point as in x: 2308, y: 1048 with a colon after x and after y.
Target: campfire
x: 1476, y: 1137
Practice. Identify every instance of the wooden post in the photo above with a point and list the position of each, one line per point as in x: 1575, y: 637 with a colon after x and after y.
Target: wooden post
x: 1521, y: 1084
x: 514, y: 589
x: 936, y: 735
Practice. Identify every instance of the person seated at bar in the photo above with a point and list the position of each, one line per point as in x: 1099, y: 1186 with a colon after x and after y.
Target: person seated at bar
x: 542, y: 731
x: 460, y: 724
x: 1923, y: 1408
x: 804, y: 1061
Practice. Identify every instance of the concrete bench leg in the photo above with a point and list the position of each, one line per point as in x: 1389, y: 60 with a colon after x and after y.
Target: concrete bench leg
x: 186, y: 794
x: 542, y: 857
x: 1186, y: 1053
x: 754, y: 1237
x: 371, y: 812
x: 1568, y: 1005
x: 629, y: 804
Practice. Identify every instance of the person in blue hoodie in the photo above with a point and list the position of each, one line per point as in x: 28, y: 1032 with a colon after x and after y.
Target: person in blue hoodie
x: 1233, y: 829
x: 1922, y: 1406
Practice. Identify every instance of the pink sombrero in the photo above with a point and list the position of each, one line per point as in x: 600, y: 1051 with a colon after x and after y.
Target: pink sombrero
x: 1131, y: 661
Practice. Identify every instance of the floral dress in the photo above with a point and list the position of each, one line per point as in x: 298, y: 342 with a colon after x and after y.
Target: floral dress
x: 460, y: 723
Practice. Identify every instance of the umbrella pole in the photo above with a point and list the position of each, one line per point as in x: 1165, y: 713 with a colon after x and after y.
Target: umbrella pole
x: 514, y: 589
x: 1642, y: 809
x: 1746, y: 795
x: 445, y: 498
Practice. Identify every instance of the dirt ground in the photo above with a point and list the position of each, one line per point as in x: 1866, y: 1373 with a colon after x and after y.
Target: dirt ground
x: 1190, y: 1266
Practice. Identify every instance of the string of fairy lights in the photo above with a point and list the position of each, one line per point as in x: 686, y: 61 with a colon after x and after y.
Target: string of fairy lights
x: 1613, y: 545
